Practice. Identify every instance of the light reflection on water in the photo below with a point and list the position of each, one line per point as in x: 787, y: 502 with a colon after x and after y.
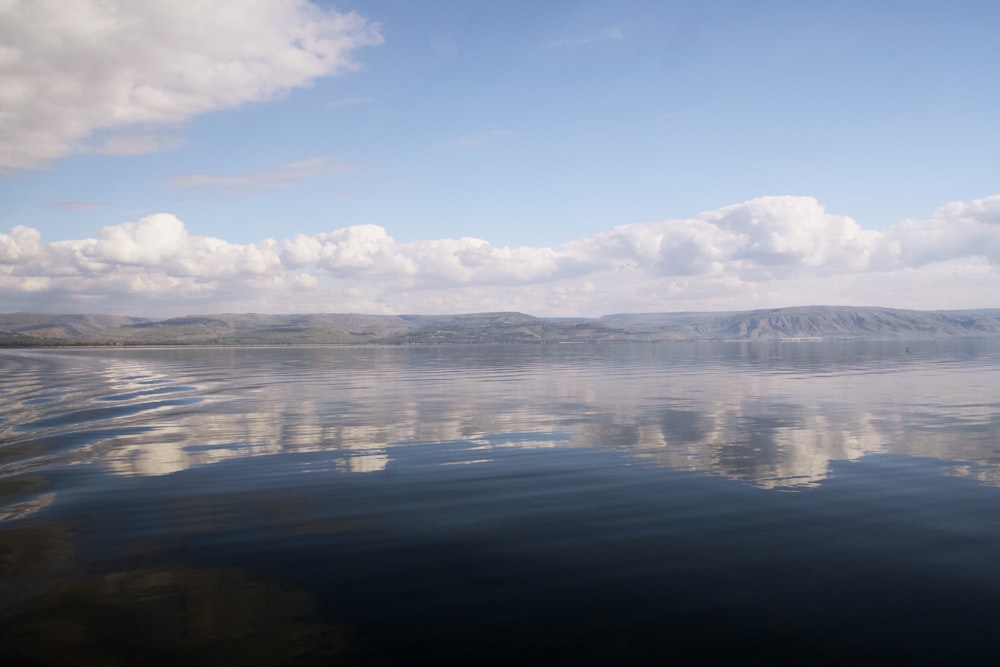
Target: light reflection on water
x: 489, y: 489
x: 775, y: 415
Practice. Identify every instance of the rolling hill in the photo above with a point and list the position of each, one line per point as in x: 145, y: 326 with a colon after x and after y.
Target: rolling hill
x: 778, y: 324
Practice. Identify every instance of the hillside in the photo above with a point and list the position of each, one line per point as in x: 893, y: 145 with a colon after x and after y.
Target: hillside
x: 806, y: 322
x: 811, y: 322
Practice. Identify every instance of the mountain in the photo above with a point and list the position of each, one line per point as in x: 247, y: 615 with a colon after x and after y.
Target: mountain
x: 811, y: 322
x: 500, y: 328
x: 806, y: 322
x: 62, y: 327
x: 256, y: 329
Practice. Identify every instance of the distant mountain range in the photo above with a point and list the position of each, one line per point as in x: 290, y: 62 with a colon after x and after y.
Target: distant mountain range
x: 798, y: 323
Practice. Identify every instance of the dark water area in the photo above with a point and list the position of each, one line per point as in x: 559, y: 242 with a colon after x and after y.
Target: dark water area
x: 802, y: 503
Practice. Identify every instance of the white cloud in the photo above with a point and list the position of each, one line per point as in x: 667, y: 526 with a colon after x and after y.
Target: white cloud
x: 794, y: 232
x: 960, y: 229
x: 21, y: 245
x: 767, y: 252
x: 671, y: 247
x: 70, y: 68
x: 251, y: 181
x: 768, y: 237
x: 365, y: 251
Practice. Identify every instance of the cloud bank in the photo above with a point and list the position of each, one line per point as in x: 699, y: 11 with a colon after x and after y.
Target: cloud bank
x: 767, y: 252
x: 127, y: 68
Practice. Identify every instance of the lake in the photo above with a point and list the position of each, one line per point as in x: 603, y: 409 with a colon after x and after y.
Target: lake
x: 496, y: 505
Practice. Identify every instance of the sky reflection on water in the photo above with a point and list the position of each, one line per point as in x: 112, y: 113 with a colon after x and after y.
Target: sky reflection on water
x: 775, y: 416
x: 500, y: 505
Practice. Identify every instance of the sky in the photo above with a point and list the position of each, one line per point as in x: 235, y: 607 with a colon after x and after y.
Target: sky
x: 555, y: 158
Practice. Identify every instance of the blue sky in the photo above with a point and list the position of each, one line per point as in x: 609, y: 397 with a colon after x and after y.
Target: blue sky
x: 537, y: 129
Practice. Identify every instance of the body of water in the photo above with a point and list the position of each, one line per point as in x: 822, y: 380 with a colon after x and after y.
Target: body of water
x: 541, y: 504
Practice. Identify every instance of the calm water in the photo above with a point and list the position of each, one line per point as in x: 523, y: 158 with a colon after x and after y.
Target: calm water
x: 570, y: 504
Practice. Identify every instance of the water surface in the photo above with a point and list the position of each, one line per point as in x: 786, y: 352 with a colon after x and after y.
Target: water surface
x: 501, y: 504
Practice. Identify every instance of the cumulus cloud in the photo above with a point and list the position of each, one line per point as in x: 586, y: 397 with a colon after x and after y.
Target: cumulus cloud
x: 70, y: 68
x: 794, y: 232
x: 21, y: 245
x: 767, y: 252
x: 960, y: 229
x: 768, y: 237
